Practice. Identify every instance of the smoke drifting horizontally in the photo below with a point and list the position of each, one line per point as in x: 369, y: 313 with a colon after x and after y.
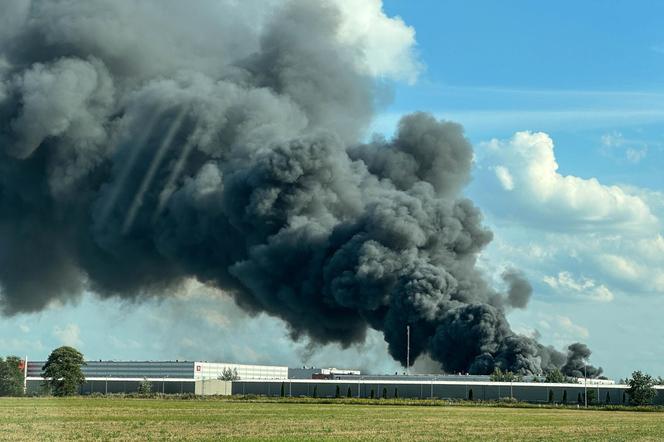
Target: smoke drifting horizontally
x: 136, y: 153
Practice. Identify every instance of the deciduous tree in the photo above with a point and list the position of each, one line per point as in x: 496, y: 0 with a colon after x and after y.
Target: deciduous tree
x: 62, y: 371
x: 641, y: 391
x: 11, y: 377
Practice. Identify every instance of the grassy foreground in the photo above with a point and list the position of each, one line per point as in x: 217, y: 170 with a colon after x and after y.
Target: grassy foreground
x: 158, y: 419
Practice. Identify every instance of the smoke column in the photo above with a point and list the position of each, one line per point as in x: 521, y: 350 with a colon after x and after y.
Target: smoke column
x: 144, y: 145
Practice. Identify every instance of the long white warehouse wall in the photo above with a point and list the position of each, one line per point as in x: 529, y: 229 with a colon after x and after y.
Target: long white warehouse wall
x: 213, y: 370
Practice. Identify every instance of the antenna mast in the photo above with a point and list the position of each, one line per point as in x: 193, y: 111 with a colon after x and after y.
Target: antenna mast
x: 408, y: 349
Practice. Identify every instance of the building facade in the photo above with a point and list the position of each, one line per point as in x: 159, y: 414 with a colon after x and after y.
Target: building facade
x: 533, y: 392
x: 168, y: 377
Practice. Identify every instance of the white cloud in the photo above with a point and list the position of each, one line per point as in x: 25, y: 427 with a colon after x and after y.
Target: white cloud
x: 70, y: 335
x: 387, y: 43
x: 505, y: 177
x: 634, y: 150
x: 636, y: 269
x: 582, y: 287
x: 620, y: 267
x: 636, y: 155
x: 612, y: 139
x: 570, y: 327
x: 580, y: 237
x: 539, y: 193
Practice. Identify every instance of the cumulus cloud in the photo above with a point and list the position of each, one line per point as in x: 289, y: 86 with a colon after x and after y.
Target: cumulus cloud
x: 526, y: 166
x: 580, y: 241
x: 583, y: 287
x: 70, y: 335
x: 387, y: 43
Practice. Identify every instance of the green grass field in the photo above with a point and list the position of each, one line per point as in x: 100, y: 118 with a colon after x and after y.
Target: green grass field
x: 37, y: 419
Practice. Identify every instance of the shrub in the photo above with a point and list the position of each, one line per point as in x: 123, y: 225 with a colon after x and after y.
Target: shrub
x: 349, y: 393
x: 282, y: 393
x: 564, y: 396
x: 337, y: 392
x: 145, y: 387
x: 396, y: 393
x: 550, y: 396
x: 384, y: 392
x: 372, y: 393
x: 315, y: 391
x: 608, y: 398
x: 470, y: 394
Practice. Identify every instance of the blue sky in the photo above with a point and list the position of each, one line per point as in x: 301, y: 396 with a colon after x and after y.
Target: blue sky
x: 588, y: 76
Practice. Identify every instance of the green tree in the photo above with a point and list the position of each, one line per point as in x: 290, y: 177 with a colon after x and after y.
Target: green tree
x: 282, y: 393
x: 592, y: 396
x: 145, y: 387
x: 384, y: 392
x: 396, y: 393
x: 641, y: 391
x: 337, y: 392
x: 372, y: 393
x: 62, y: 371
x: 11, y: 377
x: 497, y: 375
x: 349, y: 393
x: 550, y: 396
x: 504, y: 376
x: 564, y: 396
x: 470, y: 394
x: 555, y: 377
x: 315, y: 391
x: 607, y: 400
x: 228, y: 374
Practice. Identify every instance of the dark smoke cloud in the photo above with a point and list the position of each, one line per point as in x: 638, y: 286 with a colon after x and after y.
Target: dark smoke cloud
x: 577, y: 360
x: 519, y: 290
x: 141, y: 147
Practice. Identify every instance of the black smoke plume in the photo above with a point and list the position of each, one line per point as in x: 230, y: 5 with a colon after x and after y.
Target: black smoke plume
x: 143, y: 144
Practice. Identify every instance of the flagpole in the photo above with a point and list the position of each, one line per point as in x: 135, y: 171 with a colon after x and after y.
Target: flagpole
x: 25, y: 375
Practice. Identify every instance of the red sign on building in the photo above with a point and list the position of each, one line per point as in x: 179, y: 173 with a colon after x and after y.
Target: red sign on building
x: 21, y: 365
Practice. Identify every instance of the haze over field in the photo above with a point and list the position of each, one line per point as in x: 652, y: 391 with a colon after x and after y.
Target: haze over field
x: 232, y: 147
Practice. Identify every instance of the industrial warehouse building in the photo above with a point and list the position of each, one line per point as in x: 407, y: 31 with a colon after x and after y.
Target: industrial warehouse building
x: 169, y: 377
x: 461, y: 389
x: 202, y: 378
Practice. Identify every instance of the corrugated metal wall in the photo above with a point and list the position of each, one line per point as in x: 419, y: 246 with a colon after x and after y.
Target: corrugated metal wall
x: 535, y: 393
